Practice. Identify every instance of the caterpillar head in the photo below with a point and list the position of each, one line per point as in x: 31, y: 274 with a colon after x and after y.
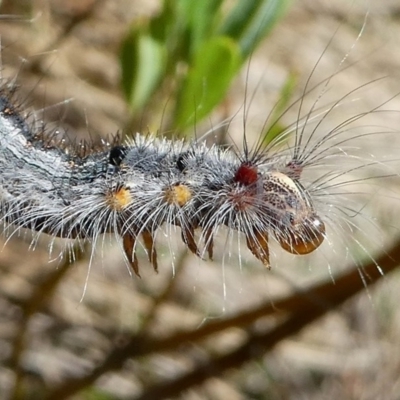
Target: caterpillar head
x: 259, y: 201
x: 297, y: 227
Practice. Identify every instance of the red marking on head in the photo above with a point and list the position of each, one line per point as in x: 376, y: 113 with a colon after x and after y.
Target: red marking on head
x: 246, y: 174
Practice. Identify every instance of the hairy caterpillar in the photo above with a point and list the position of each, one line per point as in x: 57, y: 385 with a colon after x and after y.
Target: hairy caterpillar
x: 133, y: 188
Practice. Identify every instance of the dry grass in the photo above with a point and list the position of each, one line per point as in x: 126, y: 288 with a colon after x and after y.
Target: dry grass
x: 100, y: 334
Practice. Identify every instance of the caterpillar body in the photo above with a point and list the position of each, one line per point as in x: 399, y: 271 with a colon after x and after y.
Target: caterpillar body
x: 131, y: 189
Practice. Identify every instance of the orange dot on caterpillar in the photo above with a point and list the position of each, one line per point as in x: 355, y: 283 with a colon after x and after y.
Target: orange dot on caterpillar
x: 178, y: 194
x: 119, y: 198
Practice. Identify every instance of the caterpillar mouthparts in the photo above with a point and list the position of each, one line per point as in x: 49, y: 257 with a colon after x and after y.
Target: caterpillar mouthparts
x: 132, y: 188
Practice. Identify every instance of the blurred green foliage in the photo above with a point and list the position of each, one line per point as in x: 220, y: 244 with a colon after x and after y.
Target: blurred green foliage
x: 195, y: 49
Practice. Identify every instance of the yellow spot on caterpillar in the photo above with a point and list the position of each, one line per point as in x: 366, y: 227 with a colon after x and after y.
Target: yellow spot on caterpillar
x: 119, y: 199
x: 178, y: 194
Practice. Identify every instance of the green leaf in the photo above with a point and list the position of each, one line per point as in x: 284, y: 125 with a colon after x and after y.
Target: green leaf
x: 201, y: 17
x: 239, y: 18
x: 143, y: 65
x: 252, y: 20
x: 160, y: 26
x: 214, y: 66
x: 170, y: 28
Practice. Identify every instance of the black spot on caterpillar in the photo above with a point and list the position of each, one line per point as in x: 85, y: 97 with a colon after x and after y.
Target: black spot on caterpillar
x: 133, y: 188
x: 117, y: 154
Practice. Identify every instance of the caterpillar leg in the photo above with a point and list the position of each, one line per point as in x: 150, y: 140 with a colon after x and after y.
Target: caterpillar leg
x: 129, y: 243
x: 148, y: 241
x: 257, y: 243
x: 209, y: 242
x: 188, y: 239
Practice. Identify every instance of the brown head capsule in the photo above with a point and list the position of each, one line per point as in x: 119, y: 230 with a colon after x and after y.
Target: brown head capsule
x: 304, y: 236
x: 297, y: 228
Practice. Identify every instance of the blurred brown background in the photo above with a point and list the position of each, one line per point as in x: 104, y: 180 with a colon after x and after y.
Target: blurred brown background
x: 59, y: 322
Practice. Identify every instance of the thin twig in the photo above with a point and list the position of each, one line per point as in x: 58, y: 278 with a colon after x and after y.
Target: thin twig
x: 42, y: 294
x: 304, y: 308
